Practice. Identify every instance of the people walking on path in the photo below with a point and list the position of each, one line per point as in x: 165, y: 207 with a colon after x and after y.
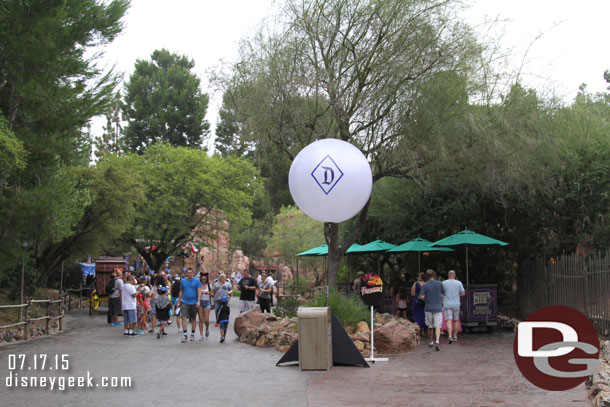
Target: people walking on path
x: 223, y: 314
x: 162, y: 305
x: 247, y: 289
x: 419, y: 316
x: 401, y: 302
x: 451, y: 304
x: 432, y: 293
x: 175, y: 293
x: 188, y: 301
x: 221, y: 288
x: 156, y: 281
x: 114, y: 298
x: 128, y: 305
x: 265, y: 291
x: 205, y: 304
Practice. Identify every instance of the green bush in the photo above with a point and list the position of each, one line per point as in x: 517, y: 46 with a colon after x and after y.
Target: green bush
x: 298, y: 287
x: 287, y: 307
x: 348, y: 310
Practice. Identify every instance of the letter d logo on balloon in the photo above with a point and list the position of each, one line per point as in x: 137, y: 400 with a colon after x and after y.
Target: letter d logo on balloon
x: 330, y: 180
x: 556, y: 348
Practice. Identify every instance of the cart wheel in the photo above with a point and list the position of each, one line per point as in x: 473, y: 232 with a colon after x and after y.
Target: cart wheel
x: 95, y: 300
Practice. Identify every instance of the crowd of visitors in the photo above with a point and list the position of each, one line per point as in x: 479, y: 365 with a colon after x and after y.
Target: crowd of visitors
x: 151, y: 300
x: 435, y: 305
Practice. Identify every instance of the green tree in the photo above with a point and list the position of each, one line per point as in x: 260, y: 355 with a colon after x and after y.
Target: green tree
x: 112, y: 194
x: 186, y: 191
x: 111, y: 140
x: 50, y: 88
x: 163, y: 103
x: 13, y: 156
x: 292, y: 233
x: 350, y: 70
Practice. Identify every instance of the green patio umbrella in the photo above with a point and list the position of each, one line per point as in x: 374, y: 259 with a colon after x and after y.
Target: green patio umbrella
x: 418, y: 245
x: 377, y: 246
x: 468, y: 238
x: 321, y: 250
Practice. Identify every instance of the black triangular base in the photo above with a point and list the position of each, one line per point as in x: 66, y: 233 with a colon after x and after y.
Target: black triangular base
x: 345, y: 352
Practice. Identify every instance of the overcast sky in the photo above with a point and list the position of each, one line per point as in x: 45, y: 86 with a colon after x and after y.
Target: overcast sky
x: 571, y: 50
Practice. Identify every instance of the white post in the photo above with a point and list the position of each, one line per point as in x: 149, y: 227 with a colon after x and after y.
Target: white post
x: 372, y: 358
x: 372, y: 336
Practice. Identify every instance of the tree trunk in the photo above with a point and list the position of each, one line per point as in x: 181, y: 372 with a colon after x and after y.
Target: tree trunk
x: 336, y: 251
x: 154, y: 259
x: 335, y: 254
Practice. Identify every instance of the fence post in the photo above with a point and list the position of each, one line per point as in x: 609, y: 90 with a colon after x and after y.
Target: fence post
x: 27, y: 320
x: 586, y: 284
x: 547, y: 278
x: 48, y: 315
x: 62, y: 309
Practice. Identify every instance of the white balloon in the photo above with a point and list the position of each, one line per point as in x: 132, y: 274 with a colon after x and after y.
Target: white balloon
x: 330, y: 180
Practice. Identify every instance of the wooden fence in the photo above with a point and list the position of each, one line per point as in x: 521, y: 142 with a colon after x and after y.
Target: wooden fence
x: 51, y: 314
x: 572, y: 280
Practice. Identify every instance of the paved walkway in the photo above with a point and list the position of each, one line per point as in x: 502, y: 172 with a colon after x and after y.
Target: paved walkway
x: 483, y: 373
x: 166, y: 372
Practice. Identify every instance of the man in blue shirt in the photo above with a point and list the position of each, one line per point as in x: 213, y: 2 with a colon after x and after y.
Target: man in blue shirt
x: 432, y: 293
x: 451, y: 306
x: 188, y: 301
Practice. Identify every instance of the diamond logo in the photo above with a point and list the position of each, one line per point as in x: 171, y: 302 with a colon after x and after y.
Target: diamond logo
x: 327, y: 174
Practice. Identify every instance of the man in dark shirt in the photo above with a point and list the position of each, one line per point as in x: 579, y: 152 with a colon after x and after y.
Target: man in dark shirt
x: 247, y: 288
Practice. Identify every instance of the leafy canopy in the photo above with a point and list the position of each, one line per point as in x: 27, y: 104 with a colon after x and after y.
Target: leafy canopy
x: 186, y: 191
x: 163, y: 103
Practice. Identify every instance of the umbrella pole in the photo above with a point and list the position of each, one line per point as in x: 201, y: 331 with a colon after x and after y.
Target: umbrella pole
x: 297, y: 282
x: 467, y: 279
x: 467, y: 285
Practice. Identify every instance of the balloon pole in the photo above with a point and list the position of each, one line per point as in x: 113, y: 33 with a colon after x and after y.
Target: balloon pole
x: 373, y: 358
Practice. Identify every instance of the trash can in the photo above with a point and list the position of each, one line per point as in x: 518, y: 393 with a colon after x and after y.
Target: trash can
x: 315, y: 338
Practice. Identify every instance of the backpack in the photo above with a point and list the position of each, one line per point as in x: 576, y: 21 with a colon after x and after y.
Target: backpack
x: 175, y: 290
x: 110, y: 286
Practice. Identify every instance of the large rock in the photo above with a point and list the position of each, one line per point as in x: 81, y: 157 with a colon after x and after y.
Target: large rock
x: 362, y: 332
x: 602, y: 399
x: 600, y: 382
x: 397, y: 336
x: 248, y: 320
x: 239, y: 262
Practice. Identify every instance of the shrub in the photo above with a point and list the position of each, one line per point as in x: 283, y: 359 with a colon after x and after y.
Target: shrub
x: 287, y: 307
x: 298, y: 287
x: 348, y: 310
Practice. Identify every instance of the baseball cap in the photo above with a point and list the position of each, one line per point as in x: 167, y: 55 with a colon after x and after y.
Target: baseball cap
x: 223, y: 298
x: 162, y: 288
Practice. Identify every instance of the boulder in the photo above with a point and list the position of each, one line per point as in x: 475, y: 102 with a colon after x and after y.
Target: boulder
x: 602, y: 399
x: 362, y: 332
x: 605, y: 350
x: 359, y: 345
x: 249, y: 319
x: 262, y: 341
x: 397, y: 336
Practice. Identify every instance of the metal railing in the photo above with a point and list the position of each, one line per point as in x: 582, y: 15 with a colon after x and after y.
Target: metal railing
x: 576, y: 281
